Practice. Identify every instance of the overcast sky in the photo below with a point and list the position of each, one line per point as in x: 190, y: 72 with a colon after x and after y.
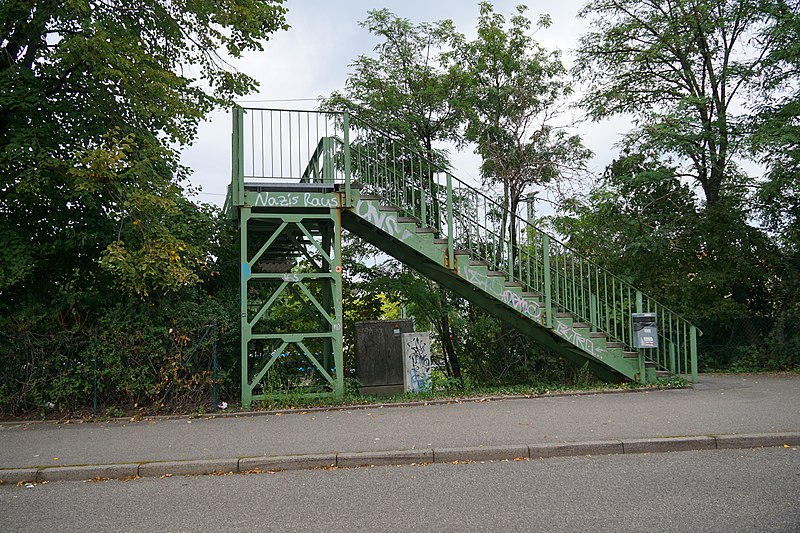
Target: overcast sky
x: 313, y: 58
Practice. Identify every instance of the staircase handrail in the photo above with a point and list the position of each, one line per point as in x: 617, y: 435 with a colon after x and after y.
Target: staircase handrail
x: 428, y: 190
x: 521, y: 222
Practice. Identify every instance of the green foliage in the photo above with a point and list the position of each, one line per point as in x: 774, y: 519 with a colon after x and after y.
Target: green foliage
x: 99, y: 244
x: 403, y: 89
x: 138, y: 355
x: 710, y: 265
x: 93, y: 102
x: 709, y: 83
x: 511, y: 89
x: 680, y: 69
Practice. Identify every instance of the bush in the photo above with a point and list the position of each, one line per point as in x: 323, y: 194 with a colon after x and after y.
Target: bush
x: 138, y: 355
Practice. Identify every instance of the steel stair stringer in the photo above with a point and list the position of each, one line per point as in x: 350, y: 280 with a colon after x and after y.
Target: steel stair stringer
x: 418, y: 248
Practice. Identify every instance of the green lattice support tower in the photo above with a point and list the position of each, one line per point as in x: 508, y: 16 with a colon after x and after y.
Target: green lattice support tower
x: 300, y: 177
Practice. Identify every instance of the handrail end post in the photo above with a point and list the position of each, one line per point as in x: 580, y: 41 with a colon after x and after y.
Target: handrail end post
x: 347, y: 177
x: 548, y: 296
x: 237, y: 155
x: 450, y: 232
x: 693, y: 351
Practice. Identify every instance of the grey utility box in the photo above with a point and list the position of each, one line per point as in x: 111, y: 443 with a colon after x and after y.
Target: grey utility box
x: 379, y: 355
x: 645, y: 330
x: 417, y: 361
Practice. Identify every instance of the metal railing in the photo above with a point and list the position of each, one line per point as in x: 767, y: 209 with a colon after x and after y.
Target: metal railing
x: 339, y: 148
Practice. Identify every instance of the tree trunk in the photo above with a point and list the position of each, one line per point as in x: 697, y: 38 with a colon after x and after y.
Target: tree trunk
x: 447, y: 338
x: 504, y: 215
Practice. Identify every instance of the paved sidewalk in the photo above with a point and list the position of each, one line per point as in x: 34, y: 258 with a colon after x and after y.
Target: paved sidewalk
x: 718, y: 405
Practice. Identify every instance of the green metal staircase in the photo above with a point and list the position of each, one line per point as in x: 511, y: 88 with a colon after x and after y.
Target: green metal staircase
x: 296, y: 163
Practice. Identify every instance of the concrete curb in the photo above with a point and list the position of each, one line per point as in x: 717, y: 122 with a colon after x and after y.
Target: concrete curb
x: 574, y: 449
x: 481, y: 453
x: 184, y: 468
x: 288, y: 462
x: 396, y: 457
x: 80, y: 473
x: 669, y: 444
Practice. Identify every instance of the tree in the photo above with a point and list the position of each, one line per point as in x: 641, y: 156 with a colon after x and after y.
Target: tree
x: 94, y: 99
x: 776, y: 138
x: 98, y: 243
x: 680, y: 68
x: 655, y: 237
x: 776, y: 145
x: 511, y: 92
x: 405, y: 90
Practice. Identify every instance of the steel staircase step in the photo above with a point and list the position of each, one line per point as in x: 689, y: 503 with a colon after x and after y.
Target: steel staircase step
x: 512, y: 294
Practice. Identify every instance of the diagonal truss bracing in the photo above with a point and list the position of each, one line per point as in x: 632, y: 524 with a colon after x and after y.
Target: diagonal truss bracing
x: 290, y: 267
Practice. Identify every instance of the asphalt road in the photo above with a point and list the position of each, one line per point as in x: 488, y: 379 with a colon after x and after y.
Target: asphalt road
x: 720, y: 490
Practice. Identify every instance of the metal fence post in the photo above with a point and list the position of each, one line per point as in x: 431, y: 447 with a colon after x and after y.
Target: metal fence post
x: 214, y: 364
x: 693, y: 348
x: 450, y: 232
x: 237, y: 155
x: 548, y: 297
x: 347, y: 178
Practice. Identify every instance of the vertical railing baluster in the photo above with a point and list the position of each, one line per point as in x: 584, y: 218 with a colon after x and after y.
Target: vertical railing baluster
x: 346, y: 138
x: 263, y: 166
x: 450, y: 257
x: 693, y: 348
x: 548, y: 296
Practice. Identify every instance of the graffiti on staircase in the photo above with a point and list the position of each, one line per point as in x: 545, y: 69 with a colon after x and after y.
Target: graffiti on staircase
x: 386, y: 221
x: 295, y: 199
x: 529, y: 308
x: 495, y: 285
x: 582, y: 342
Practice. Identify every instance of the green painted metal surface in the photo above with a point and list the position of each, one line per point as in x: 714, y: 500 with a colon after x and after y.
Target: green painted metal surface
x: 291, y: 266
x: 299, y: 168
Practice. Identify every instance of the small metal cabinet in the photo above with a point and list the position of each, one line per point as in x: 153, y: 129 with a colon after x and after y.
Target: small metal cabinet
x: 645, y: 330
x: 379, y: 355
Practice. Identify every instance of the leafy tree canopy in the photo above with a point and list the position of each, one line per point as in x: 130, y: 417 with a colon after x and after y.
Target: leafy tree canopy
x: 681, y: 68
x: 94, y: 98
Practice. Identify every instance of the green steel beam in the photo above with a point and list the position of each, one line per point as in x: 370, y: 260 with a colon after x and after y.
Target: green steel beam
x: 323, y: 231
x: 244, y: 220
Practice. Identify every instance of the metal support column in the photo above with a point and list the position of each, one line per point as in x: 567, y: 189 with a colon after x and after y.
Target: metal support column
x: 290, y: 260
